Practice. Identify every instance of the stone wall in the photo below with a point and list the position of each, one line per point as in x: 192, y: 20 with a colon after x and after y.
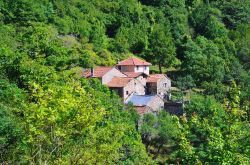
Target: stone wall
x: 156, y: 104
x: 139, y: 87
x: 163, y: 86
x: 127, y: 68
x: 129, y: 89
x: 142, y: 80
x: 133, y: 87
x: 112, y: 73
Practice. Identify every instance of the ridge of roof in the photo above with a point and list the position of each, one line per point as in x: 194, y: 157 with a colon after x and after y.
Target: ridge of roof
x: 155, y: 77
x: 97, y: 72
x: 134, y: 62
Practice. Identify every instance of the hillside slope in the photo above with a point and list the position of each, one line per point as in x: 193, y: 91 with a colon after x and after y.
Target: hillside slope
x: 48, y: 114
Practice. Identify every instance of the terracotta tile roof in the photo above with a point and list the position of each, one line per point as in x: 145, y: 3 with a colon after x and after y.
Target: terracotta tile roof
x: 154, y: 77
x: 97, y: 72
x: 133, y: 74
x: 134, y: 62
x: 119, y: 81
x: 141, y: 110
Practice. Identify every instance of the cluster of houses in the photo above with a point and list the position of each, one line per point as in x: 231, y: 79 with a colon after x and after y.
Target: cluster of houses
x: 131, y: 80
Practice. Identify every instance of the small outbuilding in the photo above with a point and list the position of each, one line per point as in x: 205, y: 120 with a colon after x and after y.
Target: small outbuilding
x: 174, y: 108
x: 158, y: 84
x: 152, y: 103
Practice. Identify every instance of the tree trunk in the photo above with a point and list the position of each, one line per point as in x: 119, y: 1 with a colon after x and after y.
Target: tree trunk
x: 160, y: 67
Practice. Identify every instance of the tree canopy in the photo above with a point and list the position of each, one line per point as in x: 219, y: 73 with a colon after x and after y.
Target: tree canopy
x: 49, y: 114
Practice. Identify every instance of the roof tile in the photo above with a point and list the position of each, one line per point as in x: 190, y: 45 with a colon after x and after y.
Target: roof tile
x: 134, y: 62
x: 98, y: 72
x: 141, y: 110
x: 155, y: 77
x: 119, y: 81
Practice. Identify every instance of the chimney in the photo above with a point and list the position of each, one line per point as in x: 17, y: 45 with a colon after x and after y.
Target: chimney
x: 118, y: 67
x: 117, y: 61
x: 91, y: 72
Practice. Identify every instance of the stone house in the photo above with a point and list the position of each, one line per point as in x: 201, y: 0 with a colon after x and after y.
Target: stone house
x: 158, y: 84
x: 126, y: 87
x: 133, y: 83
x: 141, y: 77
x: 105, y: 74
x: 147, y: 103
x: 135, y: 65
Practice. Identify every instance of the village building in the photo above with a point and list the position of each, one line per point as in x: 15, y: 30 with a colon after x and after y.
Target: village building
x: 141, y: 77
x: 135, y: 65
x: 131, y: 80
x: 126, y: 87
x: 105, y: 74
x: 147, y: 103
x: 158, y: 84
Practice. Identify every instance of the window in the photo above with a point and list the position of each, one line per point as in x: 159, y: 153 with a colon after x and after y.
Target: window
x: 126, y: 92
x: 145, y: 67
x: 137, y: 67
x: 165, y: 85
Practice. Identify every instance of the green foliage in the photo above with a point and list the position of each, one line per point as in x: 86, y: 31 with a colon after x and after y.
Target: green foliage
x: 161, y: 47
x: 185, y: 82
x: 49, y: 114
x: 65, y: 120
x: 159, y: 132
x: 10, y: 133
x: 211, y: 135
x: 235, y: 12
x: 242, y: 39
x: 218, y: 90
x: 202, y: 61
x: 11, y: 101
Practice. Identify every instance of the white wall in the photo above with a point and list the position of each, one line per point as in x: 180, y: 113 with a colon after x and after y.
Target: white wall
x: 143, y: 69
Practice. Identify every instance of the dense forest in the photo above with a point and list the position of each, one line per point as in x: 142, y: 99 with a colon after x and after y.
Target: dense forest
x: 49, y: 114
